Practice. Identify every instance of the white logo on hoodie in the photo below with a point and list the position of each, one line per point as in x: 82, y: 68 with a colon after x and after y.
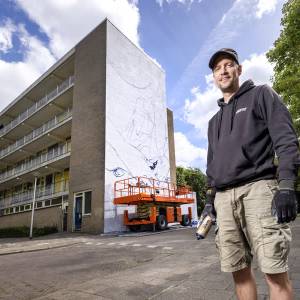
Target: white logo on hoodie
x: 241, y: 109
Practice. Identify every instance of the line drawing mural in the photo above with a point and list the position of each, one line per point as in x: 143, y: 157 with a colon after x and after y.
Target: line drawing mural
x: 118, y: 172
x: 136, y: 125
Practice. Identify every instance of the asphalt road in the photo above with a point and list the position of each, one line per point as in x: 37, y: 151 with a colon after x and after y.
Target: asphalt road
x: 171, y: 265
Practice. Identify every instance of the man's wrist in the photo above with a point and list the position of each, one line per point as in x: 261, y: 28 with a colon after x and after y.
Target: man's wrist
x: 287, y: 184
x: 210, y: 196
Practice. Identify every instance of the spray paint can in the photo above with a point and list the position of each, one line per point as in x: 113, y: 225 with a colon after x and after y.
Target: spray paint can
x: 204, y: 227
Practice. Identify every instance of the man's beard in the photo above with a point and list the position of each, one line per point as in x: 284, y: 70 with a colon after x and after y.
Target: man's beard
x: 231, y: 87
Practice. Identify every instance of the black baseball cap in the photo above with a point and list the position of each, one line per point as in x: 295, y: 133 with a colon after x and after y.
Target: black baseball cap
x: 227, y: 51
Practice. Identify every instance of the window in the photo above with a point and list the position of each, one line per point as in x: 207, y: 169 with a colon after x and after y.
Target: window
x: 40, y: 183
x: 56, y: 201
x: 39, y: 204
x: 17, y: 208
x: 47, y: 202
x: 87, y: 202
x: 83, y: 203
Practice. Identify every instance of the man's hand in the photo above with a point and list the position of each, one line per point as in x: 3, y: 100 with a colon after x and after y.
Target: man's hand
x: 209, y: 208
x: 285, y: 205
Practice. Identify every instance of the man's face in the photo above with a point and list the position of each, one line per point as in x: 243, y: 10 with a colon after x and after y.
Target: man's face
x: 226, y: 74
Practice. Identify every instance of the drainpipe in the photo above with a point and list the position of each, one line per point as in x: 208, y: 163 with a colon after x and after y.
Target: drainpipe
x: 33, y: 207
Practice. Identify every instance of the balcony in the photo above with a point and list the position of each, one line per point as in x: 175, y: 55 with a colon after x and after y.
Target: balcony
x: 42, y: 193
x: 44, y: 129
x: 63, y: 150
x: 38, y: 105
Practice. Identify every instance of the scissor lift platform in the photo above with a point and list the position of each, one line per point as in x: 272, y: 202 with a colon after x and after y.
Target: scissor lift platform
x: 159, y: 202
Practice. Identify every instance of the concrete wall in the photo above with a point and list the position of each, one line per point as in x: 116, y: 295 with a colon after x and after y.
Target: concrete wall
x: 136, y: 120
x: 171, y: 146
x: 51, y: 216
x: 88, y: 127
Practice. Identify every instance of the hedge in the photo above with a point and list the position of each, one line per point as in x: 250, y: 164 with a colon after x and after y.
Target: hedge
x: 23, y: 231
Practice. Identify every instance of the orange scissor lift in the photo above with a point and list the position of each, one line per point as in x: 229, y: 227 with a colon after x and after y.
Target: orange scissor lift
x: 158, y: 202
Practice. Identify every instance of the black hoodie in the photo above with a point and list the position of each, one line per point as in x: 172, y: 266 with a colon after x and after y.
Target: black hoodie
x: 243, y: 136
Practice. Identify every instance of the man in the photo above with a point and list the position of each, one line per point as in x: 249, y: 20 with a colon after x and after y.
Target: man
x: 252, y: 198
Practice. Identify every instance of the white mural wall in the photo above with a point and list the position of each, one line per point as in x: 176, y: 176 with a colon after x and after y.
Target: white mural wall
x: 136, y: 121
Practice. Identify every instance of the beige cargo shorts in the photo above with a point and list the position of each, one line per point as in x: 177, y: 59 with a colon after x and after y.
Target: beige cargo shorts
x: 247, y: 227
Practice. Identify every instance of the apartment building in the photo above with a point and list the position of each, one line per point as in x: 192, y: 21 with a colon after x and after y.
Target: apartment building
x: 98, y: 115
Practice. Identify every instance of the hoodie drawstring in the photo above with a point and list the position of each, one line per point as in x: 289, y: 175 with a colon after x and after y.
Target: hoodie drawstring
x: 220, y: 121
x: 246, y: 86
x: 233, y: 110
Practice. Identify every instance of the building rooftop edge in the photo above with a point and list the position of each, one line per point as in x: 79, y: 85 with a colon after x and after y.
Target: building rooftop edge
x: 37, y: 81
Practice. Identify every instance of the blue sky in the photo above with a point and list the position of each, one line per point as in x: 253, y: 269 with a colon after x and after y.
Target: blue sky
x: 179, y: 34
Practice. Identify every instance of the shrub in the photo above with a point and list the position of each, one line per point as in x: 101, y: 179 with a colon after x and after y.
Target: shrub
x: 23, y: 231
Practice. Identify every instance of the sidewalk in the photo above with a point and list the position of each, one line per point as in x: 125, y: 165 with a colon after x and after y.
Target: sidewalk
x: 18, y: 245
x: 58, y: 240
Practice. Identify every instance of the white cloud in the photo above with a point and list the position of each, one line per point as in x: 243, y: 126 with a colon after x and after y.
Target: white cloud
x: 65, y: 23
x: 6, y: 33
x: 16, y: 76
x: 189, y: 2
x: 187, y: 154
x: 229, y: 27
x: 70, y: 21
x: 265, y: 7
x: 258, y: 68
x: 223, y: 19
x: 203, y: 104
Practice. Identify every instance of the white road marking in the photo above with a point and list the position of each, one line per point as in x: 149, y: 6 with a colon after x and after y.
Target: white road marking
x: 167, y: 248
x: 124, y: 244
x: 10, y: 244
x: 41, y: 244
x: 152, y: 246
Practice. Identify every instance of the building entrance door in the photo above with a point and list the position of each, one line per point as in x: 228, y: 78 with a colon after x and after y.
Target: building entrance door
x: 78, y: 212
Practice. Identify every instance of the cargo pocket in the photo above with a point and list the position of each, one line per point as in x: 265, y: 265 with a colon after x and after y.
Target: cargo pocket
x: 275, y: 237
x: 272, y: 186
x: 217, y: 241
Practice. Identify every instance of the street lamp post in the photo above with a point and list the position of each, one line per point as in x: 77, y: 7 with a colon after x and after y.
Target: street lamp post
x: 33, y: 206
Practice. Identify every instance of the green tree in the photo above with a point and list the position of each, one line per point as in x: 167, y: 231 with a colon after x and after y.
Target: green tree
x: 285, y: 55
x: 286, y: 59
x: 194, y: 178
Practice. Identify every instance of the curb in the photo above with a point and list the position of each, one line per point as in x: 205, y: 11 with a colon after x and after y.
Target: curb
x: 36, y: 249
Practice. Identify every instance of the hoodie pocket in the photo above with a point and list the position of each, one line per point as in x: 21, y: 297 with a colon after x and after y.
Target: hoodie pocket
x: 246, y: 155
x: 230, y: 164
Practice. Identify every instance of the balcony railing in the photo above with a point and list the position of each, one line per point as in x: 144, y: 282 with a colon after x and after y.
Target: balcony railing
x: 46, y: 192
x: 42, y: 102
x: 36, y: 133
x: 31, y: 164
